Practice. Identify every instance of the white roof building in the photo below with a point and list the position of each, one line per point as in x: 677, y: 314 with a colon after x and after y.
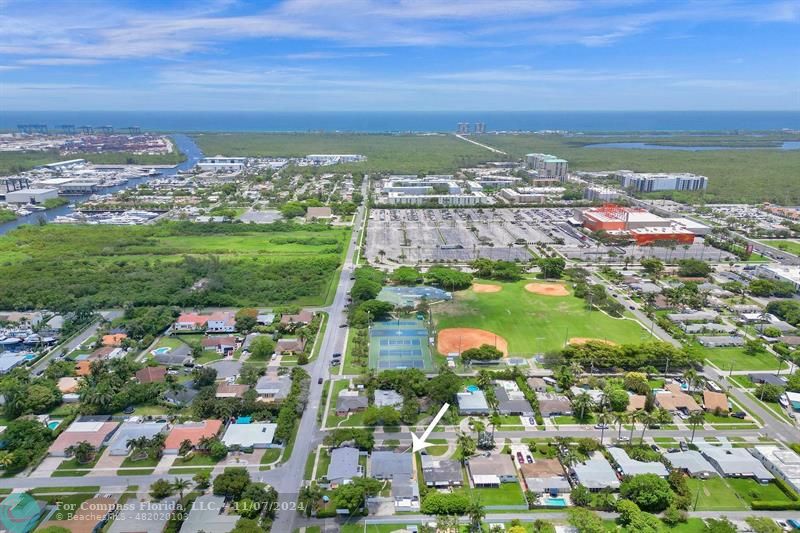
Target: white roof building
x: 256, y: 435
x: 781, y: 462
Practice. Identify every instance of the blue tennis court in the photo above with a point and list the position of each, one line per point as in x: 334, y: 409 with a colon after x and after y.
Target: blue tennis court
x: 400, y: 344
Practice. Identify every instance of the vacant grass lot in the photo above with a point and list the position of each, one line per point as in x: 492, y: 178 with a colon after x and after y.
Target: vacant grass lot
x: 532, y: 323
x: 385, y: 153
x: 732, y: 173
x: 723, y: 358
x: 57, y: 265
x: 505, y: 494
x: 715, y: 495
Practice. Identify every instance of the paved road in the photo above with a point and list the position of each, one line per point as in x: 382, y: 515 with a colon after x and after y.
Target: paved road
x: 288, y: 478
x: 74, y: 343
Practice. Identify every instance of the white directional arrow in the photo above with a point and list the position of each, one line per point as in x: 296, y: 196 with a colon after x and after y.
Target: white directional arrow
x: 420, y: 443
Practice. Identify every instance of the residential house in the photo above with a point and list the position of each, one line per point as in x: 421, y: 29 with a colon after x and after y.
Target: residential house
x: 595, y: 394
x: 114, y: 339
x: 303, y: 318
x: 344, y: 466
x: 273, y: 388
x: 632, y: 467
x: 388, y: 398
x: 252, y: 435
x: 715, y: 402
x: 675, y: 400
x: 736, y: 462
x: 221, y: 322
x: 265, y: 318
x: 290, y: 346
x: 89, y: 517
x: 97, y: 431
x: 545, y: 476
x: 231, y: 390
x: 441, y: 472
x: 691, y: 462
x: 722, y: 341
x: 387, y: 464
x: 24, y: 511
x: 511, y: 400
x: 106, y: 352
x: 132, y: 430
x: 636, y: 402
x: 191, y: 431
x: 696, y: 316
x: 82, y: 368
x: 596, y: 473
x: 772, y: 379
x: 190, y: 322
x: 551, y: 404
x: 472, y: 403
x: 208, y: 514
x: 221, y: 345
x: 151, y: 374
x: 783, y: 463
x: 405, y: 493
x: 708, y: 327
x: 138, y: 516
x: 491, y: 471
x: 178, y: 356
x: 537, y: 384
x: 350, y: 401
x: 182, y: 396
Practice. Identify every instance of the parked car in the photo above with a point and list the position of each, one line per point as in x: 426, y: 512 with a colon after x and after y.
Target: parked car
x: 739, y: 414
x: 319, y: 381
x: 654, y: 447
x: 684, y: 446
x: 601, y: 426
x: 520, y: 459
x: 129, y: 410
x: 335, y: 362
x: 343, y: 325
x: 532, y: 421
x: 336, y: 355
x: 529, y: 459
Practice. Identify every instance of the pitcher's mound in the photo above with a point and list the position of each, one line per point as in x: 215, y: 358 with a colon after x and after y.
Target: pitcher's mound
x: 547, y: 289
x: 455, y: 340
x: 584, y: 340
x: 486, y: 287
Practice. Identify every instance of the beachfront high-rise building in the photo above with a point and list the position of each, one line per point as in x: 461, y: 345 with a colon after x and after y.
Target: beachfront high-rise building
x: 653, y: 182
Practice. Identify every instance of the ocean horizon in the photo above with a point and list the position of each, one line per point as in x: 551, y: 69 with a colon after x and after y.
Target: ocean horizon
x: 413, y: 121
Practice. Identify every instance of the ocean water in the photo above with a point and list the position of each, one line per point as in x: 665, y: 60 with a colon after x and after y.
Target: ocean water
x: 445, y: 121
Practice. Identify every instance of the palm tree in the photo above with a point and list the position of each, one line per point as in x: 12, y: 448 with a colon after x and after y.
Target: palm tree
x: 138, y: 446
x: 484, y: 380
x: 691, y: 377
x: 581, y: 404
x: 620, y: 418
x: 309, y: 497
x: 185, y: 447
x: 83, y: 452
x: 6, y: 459
x: 695, y: 419
x: 476, y: 514
x: 497, y: 422
x: 647, y: 419
x: 181, y: 485
x: 602, y: 418
x: 465, y: 445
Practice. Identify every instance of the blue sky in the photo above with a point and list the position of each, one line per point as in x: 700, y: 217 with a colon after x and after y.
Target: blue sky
x: 308, y: 55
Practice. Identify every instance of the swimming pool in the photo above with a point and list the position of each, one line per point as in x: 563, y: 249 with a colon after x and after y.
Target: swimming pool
x: 53, y: 424
x: 162, y: 351
x: 473, y: 388
x: 30, y: 356
x: 555, y: 502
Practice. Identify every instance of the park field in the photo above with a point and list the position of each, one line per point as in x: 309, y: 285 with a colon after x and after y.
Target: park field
x: 385, y: 153
x: 788, y: 245
x: 58, y: 266
x: 753, y: 175
x: 533, y: 323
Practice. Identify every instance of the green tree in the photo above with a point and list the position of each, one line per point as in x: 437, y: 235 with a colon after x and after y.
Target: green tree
x: 476, y: 514
x: 83, y: 452
x: 262, y: 348
x: 181, y: 485
x: 231, y: 483
x: 649, y: 491
x: 406, y: 275
x: 202, y: 479
x: 582, y: 405
x: 161, y: 488
x: 586, y: 521
x: 581, y: 496
x: 696, y: 418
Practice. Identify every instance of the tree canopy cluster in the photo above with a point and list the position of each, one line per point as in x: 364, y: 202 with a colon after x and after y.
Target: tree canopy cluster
x: 626, y: 356
x: 499, y: 270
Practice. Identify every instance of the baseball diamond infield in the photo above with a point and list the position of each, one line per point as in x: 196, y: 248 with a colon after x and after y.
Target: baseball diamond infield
x: 486, y: 287
x: 547, y: 289
x: 456, y: 340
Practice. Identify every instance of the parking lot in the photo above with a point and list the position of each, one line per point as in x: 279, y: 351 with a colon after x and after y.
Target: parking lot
x: 593, y: 251
x: 463, y: 234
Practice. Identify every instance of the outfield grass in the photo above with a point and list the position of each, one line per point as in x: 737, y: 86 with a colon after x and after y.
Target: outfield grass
x: 790, y: 245
x: 385, y: 153
x: 723, y: 358
x: 532, y: 323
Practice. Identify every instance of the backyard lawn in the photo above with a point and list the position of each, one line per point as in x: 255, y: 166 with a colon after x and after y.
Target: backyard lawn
x: 506, y: 494
x: 532, y: 323
x: 749, y: 490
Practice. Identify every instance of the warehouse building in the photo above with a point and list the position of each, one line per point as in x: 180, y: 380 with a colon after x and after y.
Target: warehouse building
x: 31, y: 196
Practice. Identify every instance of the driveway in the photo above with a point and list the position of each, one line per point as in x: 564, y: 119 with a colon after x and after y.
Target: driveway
x: 107, y: 464
x: 47, y: 467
